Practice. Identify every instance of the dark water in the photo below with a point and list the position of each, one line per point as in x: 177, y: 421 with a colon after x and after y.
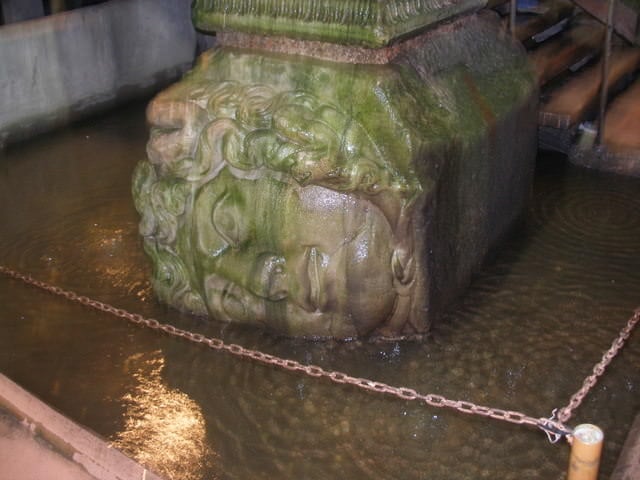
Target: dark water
x: 528, y: 331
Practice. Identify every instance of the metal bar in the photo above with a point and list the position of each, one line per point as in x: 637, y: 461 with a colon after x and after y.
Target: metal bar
x: 512, y: 17
x: 604, y: 84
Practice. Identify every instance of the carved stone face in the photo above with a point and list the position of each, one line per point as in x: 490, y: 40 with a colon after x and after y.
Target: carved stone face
x: 333, y: 199
x: 275, y: 210
x: 305, y: 260
x: 271, y: 204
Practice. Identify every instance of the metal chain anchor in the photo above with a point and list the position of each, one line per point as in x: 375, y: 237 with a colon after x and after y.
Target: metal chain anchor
x: 554, y: 427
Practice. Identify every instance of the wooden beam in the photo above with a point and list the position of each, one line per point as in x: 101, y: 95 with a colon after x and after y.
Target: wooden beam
x: 529, y: 24
x: 568, y: 104
x: 625, y: 20
x: 557, y: 55
x: 622, y: 122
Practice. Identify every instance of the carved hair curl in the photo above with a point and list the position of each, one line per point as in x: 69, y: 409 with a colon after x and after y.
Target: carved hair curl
x: 250, y: 127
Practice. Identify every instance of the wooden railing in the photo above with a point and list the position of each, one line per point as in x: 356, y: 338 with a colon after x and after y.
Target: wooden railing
x: 625, y: 21
x: 617, y: 17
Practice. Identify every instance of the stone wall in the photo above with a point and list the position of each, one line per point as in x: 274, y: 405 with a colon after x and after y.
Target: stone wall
x: 59, y: 68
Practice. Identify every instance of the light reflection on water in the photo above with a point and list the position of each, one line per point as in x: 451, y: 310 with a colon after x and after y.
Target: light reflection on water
x: 163, y: 427
x: 525, y: 335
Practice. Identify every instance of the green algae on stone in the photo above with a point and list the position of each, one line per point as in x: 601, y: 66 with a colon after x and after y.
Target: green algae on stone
x: 326, y: 199
x: 372, y: 23
x: 287, y: 190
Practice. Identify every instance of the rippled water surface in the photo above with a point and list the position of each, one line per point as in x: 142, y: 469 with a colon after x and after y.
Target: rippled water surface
x: 534, y: 322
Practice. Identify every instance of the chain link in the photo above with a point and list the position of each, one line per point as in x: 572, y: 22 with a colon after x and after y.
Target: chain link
x: 564, y: 414
x: 554, y: 427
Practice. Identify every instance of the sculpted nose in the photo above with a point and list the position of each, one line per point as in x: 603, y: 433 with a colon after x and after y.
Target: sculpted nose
x: 269, y: 277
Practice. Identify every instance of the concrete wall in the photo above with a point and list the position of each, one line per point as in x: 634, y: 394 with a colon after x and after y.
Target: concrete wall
x: 72, y: 453
x: 19, y: 10
x: 59, y: 68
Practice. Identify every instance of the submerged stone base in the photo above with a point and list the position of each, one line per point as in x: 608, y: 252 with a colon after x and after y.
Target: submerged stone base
x: 328, y: 199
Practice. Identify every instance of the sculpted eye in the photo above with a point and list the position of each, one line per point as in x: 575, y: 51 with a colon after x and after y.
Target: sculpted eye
x: 227, y: 221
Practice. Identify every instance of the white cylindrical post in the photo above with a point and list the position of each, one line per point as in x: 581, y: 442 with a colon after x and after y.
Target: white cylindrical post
x: 585, y: 452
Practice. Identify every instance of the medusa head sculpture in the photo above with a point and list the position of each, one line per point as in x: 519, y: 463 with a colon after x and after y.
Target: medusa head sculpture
x: 274, y: 208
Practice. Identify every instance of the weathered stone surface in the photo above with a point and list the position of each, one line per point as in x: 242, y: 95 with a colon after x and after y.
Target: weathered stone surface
x: 73, y: 453
x: 628, y: 465
x: 372, y: 23
x: 59, y: 68
x: 329, y: 199
x: 20, y: 10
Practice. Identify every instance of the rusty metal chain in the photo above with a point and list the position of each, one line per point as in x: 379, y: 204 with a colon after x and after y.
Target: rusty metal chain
x: 554, y: 427
x: 564, y: 414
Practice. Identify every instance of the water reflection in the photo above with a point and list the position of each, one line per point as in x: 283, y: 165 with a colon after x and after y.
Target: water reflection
x: 523, y: 337
x: 163, y: 427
